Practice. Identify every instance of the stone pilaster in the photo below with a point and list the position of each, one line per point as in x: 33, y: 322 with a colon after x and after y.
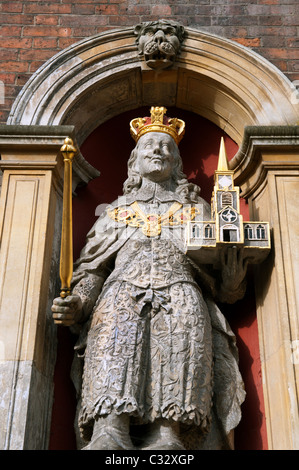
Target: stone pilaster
x: 267, y: 170
x: 30, y: 227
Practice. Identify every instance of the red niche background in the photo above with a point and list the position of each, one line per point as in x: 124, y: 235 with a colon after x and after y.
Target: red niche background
x: 108, y: 148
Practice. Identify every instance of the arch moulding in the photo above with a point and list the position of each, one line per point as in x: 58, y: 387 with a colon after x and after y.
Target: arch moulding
x: 102, y: 76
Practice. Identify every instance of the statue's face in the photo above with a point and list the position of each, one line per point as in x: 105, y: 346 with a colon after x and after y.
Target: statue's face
x: 155, y: 156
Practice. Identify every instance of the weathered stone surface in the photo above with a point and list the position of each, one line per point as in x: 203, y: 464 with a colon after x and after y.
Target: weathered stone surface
x: 99, y: 77
x: 156, y: 347
x: 159, y: 42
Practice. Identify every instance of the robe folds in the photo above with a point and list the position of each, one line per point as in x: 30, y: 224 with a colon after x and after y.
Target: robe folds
x: 154, y: 342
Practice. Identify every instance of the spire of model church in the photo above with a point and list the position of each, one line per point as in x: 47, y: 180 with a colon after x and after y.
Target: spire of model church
x: 222, y: 161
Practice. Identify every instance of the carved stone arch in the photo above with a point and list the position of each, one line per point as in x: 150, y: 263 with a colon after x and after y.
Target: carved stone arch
x: 102, y: 76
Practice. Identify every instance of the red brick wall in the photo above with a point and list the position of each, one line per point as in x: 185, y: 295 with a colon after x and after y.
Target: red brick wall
x: 33, y: 31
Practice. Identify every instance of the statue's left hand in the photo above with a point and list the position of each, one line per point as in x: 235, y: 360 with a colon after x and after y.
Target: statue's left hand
x: 234, y: 268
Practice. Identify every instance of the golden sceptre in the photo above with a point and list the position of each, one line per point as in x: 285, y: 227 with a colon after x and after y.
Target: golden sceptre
x: 66, y: 252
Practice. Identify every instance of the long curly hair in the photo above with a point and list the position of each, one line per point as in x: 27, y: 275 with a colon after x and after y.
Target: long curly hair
x: 188, y: 192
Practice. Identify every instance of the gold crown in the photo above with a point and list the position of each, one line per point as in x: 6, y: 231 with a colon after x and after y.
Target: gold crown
x: 158, y: 122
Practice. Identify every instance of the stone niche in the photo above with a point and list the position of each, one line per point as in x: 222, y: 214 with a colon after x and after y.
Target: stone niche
x: 72, y: 94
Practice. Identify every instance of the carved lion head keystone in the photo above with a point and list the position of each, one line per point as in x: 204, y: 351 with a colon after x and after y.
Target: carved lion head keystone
x: 160, y: 42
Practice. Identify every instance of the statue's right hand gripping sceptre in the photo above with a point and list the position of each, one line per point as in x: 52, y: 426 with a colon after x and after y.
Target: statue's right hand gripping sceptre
x: 67, y: 308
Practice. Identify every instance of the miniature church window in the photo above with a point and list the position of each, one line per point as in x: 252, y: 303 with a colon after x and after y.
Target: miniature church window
x: 208, y: 231
x: 226, y: 199
x: 228, y: 215
x: 196, y: 231
x: 260, y: 232
x: 248, y: 232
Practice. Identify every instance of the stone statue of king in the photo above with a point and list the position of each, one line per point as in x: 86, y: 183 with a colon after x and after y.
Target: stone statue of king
x: 160, y: 363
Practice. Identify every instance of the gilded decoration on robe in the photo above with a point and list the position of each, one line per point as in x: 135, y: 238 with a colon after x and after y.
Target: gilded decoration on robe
x: 151, y: 224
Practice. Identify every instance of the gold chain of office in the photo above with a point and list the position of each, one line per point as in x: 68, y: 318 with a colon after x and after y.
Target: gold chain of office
x: 151, y: 224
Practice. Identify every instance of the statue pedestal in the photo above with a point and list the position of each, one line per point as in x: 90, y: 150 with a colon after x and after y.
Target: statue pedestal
x: 267, y: 170
x: 30, y: 221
